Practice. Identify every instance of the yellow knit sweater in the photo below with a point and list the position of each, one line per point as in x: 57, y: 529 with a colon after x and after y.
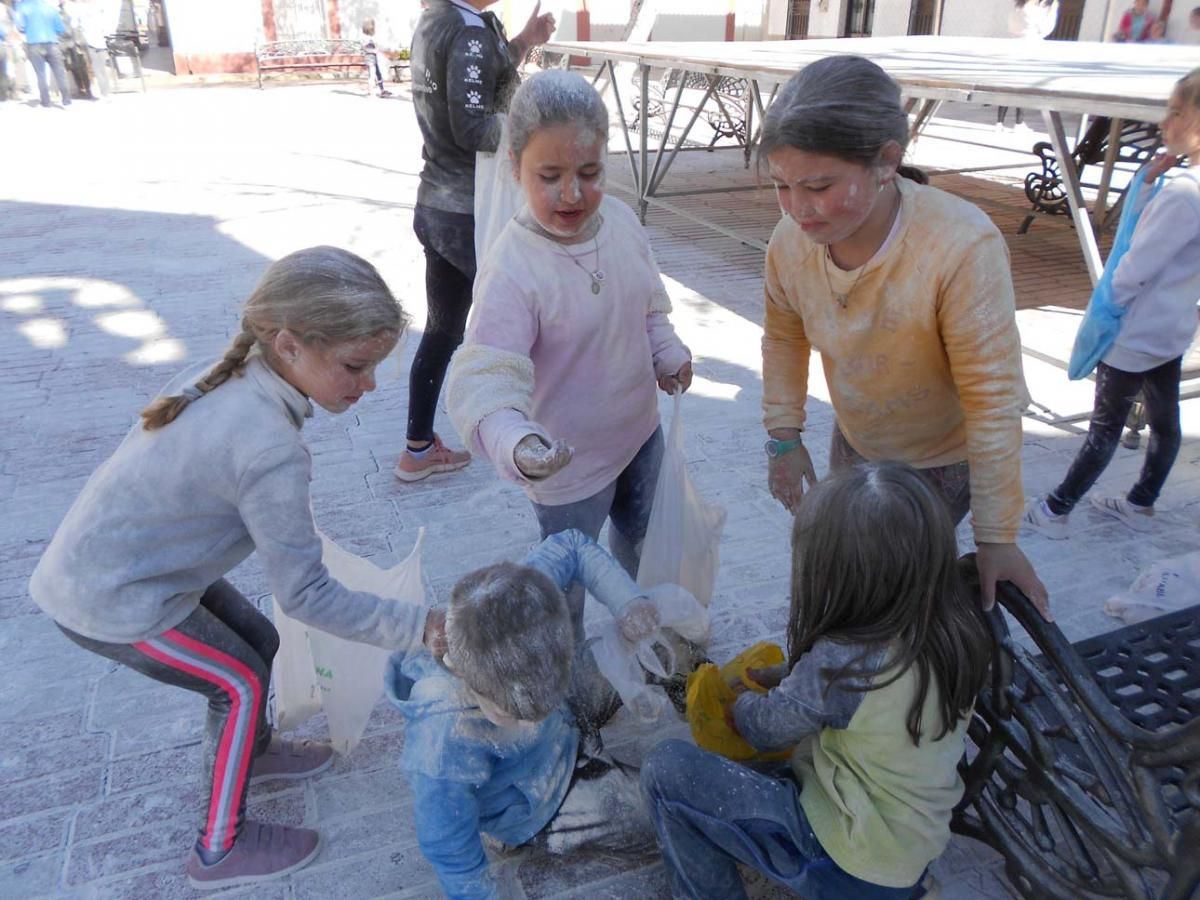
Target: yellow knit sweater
x: 924, y: 363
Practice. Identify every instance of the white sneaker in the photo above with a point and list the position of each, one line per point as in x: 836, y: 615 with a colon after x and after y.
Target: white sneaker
x: 1039, y: 518
x: 1139, y: 518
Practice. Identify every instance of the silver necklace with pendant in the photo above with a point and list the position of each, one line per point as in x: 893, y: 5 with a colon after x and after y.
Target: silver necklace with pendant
x: 840, y: 298
x: 596, y: 274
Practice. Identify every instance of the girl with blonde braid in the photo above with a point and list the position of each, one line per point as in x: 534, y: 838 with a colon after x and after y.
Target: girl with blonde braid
x: 216, y: 469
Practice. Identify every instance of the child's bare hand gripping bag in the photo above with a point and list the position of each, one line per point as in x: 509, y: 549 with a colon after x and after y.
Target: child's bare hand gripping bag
x: 710, y: 691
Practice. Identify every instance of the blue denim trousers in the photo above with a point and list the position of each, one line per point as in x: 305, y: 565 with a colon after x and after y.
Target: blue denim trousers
x: 711, y: 813
x: 626, y: 501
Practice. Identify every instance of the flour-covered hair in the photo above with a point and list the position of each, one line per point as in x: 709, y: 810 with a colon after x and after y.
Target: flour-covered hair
x: 510, y: 639
x: 553, y: 97
x: 841, y: 106
x: 323, y: 295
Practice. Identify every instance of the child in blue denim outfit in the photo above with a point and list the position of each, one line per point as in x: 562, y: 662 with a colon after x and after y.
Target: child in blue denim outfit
x: 492, y: 745
x: 887, y: 649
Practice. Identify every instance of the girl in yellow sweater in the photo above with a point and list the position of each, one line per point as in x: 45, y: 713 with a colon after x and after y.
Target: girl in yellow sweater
x: 906, y: 292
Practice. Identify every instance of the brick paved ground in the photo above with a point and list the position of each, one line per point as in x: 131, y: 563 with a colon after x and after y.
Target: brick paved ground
x: 129, y: 233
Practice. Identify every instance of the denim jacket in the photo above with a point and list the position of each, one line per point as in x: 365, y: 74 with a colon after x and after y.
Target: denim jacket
x: 469, y: 775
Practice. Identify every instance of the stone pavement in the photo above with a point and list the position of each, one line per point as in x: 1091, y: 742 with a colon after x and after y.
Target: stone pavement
x: 130, y: 231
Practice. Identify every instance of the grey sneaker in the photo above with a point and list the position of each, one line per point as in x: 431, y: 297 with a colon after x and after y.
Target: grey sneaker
x: 291, y: 759
x: 260, y: 853
x: 1139, y: 518
x: 1039, y: 518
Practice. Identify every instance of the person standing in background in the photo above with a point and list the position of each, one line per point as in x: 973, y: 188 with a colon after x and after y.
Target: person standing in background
x: 1137, y: 23
x: 98, y: 18
x: 464, y: 71
x: 1029, y: 20
x: 6, y: 89
x: 74, y: 49
x: 42, y: 26
x: 1193, y: 32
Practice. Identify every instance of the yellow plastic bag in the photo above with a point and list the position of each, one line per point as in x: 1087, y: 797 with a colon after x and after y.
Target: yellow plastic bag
x: 709, y: 692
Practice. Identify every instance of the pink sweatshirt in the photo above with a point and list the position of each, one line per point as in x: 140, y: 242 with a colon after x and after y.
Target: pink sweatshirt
x: 595, y: 356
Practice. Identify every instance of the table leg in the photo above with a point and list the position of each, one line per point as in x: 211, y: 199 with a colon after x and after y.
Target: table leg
x: 1099, y: 210
x: 633, y: 169
x: 1079, y: 211
x: 643, y: 155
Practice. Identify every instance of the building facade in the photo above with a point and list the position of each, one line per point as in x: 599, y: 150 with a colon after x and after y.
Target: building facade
x: 220, y: 35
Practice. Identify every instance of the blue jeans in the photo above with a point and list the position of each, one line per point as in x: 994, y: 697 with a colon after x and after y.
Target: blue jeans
x: 627, y: 501
x: 41, y: 57
x: 711, y: 813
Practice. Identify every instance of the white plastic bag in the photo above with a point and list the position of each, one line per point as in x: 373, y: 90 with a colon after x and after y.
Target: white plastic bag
x: 622, y: 664
x: 316, y: 670
x: 498, y: 197
x: 1162, y: 587
x: 684, y: 534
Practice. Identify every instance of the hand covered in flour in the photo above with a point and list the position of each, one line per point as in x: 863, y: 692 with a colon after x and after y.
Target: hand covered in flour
x: 639, y: 621
x: 536, y: 459
x: 677, y: 383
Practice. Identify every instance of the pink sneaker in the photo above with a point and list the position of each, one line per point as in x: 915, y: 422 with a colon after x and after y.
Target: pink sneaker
x: 291, y: 759
x: 260, y: 853
x: 437, y: 458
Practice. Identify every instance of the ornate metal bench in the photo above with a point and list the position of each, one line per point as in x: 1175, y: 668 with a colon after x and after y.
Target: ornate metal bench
x: 125, y: 44
x: 276, y: 56
x: 1086, y: 775
x: 729, y: 95
x: 1045, y: 190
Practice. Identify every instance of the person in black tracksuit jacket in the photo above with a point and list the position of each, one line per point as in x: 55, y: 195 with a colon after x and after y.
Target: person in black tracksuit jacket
x: 464, y: 70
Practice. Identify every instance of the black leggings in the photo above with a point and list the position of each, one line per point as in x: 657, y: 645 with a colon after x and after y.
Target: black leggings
x: 449, y: 242
x: 1116, y: 391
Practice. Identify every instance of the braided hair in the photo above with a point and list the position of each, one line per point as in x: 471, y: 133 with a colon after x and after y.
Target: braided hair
x: 323, y: 295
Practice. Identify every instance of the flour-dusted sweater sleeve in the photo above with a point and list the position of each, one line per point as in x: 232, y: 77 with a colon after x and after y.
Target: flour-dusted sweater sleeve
x: 786, y: 352
x: 571, y: 556
x: 274, y: 503
x: 446, y: 816
x: 976, y: 315
x: 1168, y: 224
x: 805, y: 701
x: 668, y: 351
x: 506, y: 320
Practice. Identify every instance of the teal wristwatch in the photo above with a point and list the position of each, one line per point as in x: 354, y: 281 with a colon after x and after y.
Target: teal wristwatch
x: 778, y: 448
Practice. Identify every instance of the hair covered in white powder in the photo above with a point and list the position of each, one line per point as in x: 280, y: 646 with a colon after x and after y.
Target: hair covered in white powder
x: 841, y: 106
x: 510, y: 639
x: 554, y: 97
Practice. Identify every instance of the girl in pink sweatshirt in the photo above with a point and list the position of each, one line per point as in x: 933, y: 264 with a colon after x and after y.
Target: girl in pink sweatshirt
x: 555, y: 379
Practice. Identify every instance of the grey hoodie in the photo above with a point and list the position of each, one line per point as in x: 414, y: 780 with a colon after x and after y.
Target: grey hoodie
x: 1158, y: 279
x: 173, y: 510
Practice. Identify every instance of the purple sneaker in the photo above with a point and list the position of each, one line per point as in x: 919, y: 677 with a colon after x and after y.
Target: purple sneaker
x: 291, y: 759
x: 260, y: 853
